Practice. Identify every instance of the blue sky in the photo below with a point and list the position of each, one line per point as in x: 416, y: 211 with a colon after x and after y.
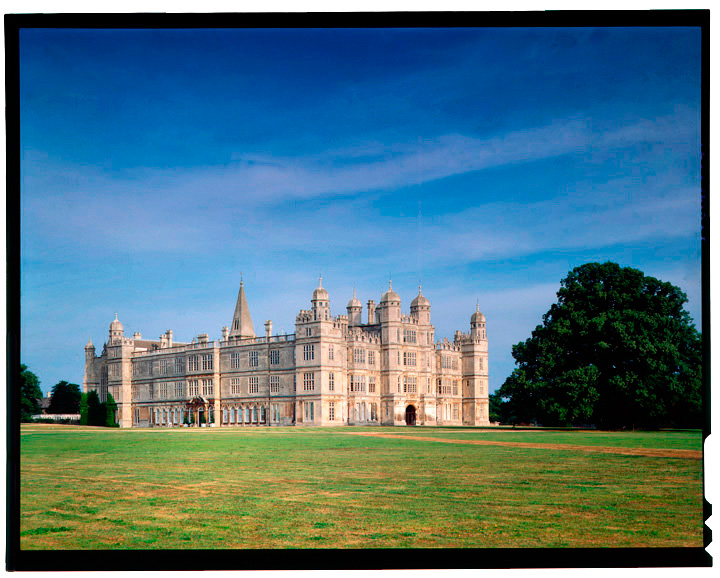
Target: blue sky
x: 159, y: 164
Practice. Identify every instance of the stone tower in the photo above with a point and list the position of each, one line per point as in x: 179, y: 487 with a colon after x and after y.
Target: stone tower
x: 476, y: 409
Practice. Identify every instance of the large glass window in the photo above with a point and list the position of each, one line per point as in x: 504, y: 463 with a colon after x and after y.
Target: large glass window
x: 193, y: 363
x: 308, y: 381
x: 274, y: 384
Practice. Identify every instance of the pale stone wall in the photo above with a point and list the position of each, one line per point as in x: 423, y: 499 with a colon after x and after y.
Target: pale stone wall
x: 323, y: 374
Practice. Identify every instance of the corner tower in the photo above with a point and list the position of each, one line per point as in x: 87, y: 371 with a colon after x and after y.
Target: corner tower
x: 476, y: 405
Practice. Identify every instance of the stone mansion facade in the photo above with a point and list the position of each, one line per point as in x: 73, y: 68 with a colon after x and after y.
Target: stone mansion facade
x: 331, y: 371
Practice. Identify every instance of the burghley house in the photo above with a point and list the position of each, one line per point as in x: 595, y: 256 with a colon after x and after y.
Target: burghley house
x: 332, y: 371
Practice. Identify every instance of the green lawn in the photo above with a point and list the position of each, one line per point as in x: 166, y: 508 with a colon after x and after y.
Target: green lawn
x: 315, y: 488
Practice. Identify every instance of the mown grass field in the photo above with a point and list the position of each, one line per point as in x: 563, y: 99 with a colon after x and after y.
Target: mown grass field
x: 90, y: 488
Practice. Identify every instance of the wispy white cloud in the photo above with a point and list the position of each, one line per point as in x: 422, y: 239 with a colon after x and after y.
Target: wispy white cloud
x: 191, y: 208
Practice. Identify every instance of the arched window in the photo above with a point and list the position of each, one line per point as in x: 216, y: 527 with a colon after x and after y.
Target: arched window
x: 225, y: 415
x: 262, y: 414
x: 254, y: 414
x: 247, y: 414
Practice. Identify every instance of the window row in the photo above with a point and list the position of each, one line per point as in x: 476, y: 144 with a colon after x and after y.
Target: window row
x: 358, y: 356
x: 254, y: 358
x: 162, y: 390
x: 365, y: 411
x: 253, y: 385
x: 447, y: 386
x: 246, y: 415
x: 448, y: 411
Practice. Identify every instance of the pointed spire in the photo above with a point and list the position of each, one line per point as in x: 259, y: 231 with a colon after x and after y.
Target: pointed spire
x: 242, y: 326
x: 89, y: 344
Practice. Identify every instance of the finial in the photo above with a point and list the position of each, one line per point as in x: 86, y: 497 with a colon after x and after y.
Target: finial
x: 477, y: 306
x: 241, y: 279
x: 320, y: 282
x: 419, y: 289
x: 354, y: 293
x: 390, y: 283
x: 115, y: 316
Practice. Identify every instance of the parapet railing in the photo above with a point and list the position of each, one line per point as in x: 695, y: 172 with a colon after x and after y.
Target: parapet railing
x: 221, y: 343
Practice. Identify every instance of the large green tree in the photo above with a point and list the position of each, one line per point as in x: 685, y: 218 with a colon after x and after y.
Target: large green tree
x: 617, y: 350
x: 65, y: 398
x: 30, y: 394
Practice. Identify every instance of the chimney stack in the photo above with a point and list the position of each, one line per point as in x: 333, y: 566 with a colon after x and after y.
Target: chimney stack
x: 371, y: 312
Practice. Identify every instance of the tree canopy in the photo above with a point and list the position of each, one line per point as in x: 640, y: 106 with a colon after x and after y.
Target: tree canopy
x: 616, y: 350
x: 30, y: 394
x: 65, y: 398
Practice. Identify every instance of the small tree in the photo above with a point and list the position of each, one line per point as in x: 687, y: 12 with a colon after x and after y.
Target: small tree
x: 84, y: 409
x: 110, y: 409
x: 65, y: 398
x: 30, y: 394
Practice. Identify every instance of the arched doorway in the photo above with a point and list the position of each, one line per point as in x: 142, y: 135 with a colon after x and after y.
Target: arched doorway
x: 410, y: 415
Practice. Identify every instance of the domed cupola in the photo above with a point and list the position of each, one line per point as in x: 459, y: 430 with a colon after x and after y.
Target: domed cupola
x: 420, y: 300
x: 477, y: 323
x: 389, y: 306
x: 320, y: 294
x: 321, y: 302
x: 420, y: 307
x: 354, y: 309
x: 116, y: 329
x: 390, y: 296
x: 477, y: 317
